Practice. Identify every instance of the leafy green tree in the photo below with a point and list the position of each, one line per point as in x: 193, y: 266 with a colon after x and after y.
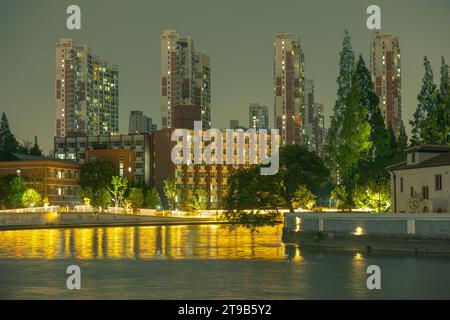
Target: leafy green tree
x: 102, y: 199
x: 380, y: 153
x: 170, y: 191
x: 346, y: 72
x: 17, y: 188
x: 443, y: 112
x: 31, y: 198
x: 348, y: 138
x: 304, y: 198
x: 152, y: 200
x: 354, y: 139
x: 402, y: 144
x: 424, y: 122
x: 344, y: 82
x: 199, y: 198
x: 252, y: 199
x: 87, y: 195
x: 136, y: 198
x: 5, y: 181
x: 375, y: 195
x: 24, y: 147
x: 185, y: 198
x: 331, y: 146
x: 8, y: 143
x: 340, y: 197
x: 399, y: 146
x: 35, y: 150
x: 249, y: 190
x: 97, y: 174
x: 117, y: 190
x: 298, y: 166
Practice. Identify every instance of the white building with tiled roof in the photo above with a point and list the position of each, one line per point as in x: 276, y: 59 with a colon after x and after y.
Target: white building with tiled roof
x: 422, y: 183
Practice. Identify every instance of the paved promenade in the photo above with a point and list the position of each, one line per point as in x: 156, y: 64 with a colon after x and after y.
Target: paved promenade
x: 14, y: 221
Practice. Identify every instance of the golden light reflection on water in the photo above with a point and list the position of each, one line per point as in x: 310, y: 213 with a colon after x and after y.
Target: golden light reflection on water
x: 152, y: 242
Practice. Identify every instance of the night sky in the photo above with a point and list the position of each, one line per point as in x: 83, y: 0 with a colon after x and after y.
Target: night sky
x: 238, y: 35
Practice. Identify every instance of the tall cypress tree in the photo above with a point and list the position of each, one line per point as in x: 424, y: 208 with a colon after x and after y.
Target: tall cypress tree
x: 443, y: 112
x: 8, y: 143
x: 380, y: 152
x: 424, y: 122
x: 401, y: 145
x: 354, y: 138
x: 35, y: 150
x: 346, y: 70
x: 379, y: 134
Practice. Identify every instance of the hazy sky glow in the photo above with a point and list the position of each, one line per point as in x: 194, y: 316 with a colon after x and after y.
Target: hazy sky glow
x: 238, y: 35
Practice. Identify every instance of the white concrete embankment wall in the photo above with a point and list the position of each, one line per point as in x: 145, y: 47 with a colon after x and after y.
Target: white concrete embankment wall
x: 371, y: 224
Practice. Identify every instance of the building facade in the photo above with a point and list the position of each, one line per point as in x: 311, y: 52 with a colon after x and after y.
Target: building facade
x: 86, y: 92
x: 385, y: 64
x: 288, y: 87
x: 319, y: 128
x: 183, y: 116
x: 185, y: 78
x: 421, y: 184
x: 258, y: 116
x: 213, y: 178
x: 52, y: 178
x: 202, y: 89
x: 123, y: 160
x: 308, y: 114
x: 79, y: 149
x: 140, y: 123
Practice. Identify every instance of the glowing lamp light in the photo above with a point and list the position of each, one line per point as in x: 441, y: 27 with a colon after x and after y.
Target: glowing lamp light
x: 358, y: 231
x: 358, y: 256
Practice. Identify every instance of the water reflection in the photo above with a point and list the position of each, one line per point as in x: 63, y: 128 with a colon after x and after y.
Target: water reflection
x: 152, y: 242
x: 203, y: 262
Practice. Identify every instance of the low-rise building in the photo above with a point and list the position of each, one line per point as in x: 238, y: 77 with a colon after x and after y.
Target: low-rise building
x: 52, y: 178
x: 123, y: 160
x: 75, y: 148
x: 422, y: 182
x: 213, y: 178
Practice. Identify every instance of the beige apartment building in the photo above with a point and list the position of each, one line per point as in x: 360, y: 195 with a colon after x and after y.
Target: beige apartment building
x: 86, y: 92
x: 425, y: 175
x: 185, y: 78
x: 288, y: 82
x: 211, y: 177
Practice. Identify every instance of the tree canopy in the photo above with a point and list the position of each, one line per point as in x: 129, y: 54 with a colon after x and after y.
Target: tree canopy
x: 97, y: 174
x: 8, y: 143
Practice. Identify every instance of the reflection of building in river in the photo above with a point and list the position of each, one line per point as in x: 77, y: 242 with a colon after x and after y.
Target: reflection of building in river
x: 174, y: 242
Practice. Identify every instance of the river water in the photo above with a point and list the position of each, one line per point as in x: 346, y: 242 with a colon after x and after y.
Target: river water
x: 203, y: 262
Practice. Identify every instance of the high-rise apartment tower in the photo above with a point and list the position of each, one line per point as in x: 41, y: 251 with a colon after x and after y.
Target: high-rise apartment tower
x: 288, y: 78
x: 185, y: 78
x: 87, y: 92
x: 258, y: 116
x: 386, y: 75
